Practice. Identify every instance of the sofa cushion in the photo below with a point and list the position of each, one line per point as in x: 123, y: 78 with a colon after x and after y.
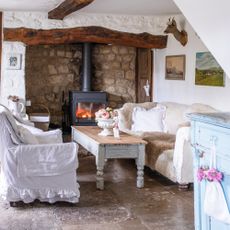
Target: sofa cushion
x: 27, y: 136
x: 125, y: 113
x: 9, y: 117
x: 48, y: 137
x: 175, y: 115
x: 157, y: 142
x: 32, y: 129
x: 148, y: 120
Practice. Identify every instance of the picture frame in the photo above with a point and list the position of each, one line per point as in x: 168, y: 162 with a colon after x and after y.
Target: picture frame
x: 175, y: 67
x: 208, y: 71
x: 14, y: 61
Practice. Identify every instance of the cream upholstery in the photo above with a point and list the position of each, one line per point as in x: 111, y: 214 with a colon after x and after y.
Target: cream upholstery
x: 172, y: 157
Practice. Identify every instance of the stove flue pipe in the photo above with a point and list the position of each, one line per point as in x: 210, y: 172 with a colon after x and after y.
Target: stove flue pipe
x: 86, y: 67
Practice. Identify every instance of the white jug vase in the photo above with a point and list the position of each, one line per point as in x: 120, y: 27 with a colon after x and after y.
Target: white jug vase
x: 16, y: 108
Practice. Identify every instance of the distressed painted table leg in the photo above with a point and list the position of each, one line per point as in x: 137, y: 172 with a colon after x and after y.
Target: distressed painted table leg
x: 140, y: 162
x: 100, y: 162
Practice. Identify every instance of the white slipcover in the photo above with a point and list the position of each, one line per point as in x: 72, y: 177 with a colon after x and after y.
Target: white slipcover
x: 46, y: 172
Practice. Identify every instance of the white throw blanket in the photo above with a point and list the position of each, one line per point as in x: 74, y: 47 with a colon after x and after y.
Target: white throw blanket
x: 46, y: 160
x: 182, y: 136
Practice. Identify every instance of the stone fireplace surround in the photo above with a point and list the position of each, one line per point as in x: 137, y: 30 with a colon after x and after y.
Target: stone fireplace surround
x: 51, y: 71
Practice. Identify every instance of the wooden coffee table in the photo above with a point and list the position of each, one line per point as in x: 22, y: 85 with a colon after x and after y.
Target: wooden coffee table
x: 111, y: 148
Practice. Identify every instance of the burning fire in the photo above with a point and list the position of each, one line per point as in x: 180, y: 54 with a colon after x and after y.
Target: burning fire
x: 83, y: 113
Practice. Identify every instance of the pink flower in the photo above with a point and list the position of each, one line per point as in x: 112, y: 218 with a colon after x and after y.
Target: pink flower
x: 13, y: 98
x: 105, y: 115
x: 214, y: 175
x: 209, y: 174
x: 200, y: 174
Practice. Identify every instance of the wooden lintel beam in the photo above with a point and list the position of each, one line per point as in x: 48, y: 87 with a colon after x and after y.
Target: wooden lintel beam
x: 67, y: 7
x: 84, y: 34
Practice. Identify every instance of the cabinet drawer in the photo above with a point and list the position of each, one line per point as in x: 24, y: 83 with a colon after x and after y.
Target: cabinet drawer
x: 206, y: 134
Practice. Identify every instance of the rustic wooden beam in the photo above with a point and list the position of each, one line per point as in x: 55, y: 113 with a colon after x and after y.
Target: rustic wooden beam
x: 67, y: 7
x: 84, y: 34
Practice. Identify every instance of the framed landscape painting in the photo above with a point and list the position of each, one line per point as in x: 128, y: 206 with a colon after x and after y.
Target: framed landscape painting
x: 208, y: 71
x: 175, y: 67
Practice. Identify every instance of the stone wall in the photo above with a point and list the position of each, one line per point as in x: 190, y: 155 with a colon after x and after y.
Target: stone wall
x: 52, y: 70
x: 114, y: 72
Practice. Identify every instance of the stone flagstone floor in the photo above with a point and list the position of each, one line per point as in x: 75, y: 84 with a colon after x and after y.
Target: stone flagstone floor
x: 121, y: 206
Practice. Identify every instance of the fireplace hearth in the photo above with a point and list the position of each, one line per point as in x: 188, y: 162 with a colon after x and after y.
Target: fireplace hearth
x: 113, y: 71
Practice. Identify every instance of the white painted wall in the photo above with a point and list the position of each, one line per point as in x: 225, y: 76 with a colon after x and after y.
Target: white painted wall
x: 186, y: 91
x: 39, y: 20
x: 210, y: 19
x: 13, y: 81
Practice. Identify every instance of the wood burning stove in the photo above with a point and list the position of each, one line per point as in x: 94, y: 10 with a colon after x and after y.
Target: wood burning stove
x: 84, y: 104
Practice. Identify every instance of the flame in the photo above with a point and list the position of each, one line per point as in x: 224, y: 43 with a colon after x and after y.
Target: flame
x: 83, y: 113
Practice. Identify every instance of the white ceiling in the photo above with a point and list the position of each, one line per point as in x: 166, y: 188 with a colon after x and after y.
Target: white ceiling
x: 131, y: 7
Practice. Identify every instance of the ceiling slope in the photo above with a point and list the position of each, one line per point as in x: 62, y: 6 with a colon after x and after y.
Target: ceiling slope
x: 210, y: 19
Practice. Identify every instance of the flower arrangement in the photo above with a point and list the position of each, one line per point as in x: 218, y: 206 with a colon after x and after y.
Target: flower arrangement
x: 209, y: 174
x: 13, y: 98
x: 107, y: 113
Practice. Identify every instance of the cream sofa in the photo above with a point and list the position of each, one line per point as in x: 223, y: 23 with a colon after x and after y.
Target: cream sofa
x: 168, y: 153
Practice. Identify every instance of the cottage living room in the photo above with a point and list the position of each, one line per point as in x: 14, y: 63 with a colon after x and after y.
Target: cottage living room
x: 114, y: 114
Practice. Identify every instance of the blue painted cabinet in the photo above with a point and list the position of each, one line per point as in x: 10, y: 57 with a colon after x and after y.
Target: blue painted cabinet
x: 206, y: 130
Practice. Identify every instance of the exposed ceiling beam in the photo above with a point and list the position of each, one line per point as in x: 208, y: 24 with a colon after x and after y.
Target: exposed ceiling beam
x: 67, y: 7
x: 84, y: 34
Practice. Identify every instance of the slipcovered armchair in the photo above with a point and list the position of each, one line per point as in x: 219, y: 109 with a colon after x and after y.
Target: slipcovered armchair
x: 44, y: 168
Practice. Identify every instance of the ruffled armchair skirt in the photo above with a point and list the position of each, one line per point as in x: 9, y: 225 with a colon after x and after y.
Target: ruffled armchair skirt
x: 28, y: 189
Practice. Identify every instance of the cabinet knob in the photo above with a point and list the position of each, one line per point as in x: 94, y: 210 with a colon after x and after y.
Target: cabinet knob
x: 194, y: 145
x: 201, y: 153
